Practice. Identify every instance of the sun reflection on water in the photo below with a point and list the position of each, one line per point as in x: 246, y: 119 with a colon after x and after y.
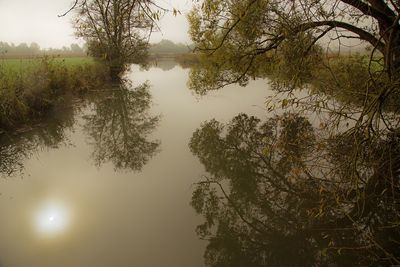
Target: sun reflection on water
x: 52, y: 219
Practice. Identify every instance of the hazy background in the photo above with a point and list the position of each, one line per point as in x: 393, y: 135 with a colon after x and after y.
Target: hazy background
x: 37, y: 21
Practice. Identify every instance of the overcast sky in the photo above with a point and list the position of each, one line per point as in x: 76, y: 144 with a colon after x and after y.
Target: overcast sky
x: 36, y: 21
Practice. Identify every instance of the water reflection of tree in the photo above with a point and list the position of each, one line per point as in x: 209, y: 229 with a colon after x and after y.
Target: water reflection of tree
x: 15, y: 148
x: 279, y: 193
x: 120, y: 126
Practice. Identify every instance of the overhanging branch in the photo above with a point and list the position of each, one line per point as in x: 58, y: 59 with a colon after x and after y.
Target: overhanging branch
x: 362, y: 34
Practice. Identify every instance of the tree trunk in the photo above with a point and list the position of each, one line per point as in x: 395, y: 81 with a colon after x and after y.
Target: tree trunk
x: 115, y: 72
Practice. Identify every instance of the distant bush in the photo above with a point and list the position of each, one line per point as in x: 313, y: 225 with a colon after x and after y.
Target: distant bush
x: 169, y: 47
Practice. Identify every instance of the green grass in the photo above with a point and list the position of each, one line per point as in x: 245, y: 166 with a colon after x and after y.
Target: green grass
x: 29, y: 63
x: 30, y: 88
x: 375, y: 64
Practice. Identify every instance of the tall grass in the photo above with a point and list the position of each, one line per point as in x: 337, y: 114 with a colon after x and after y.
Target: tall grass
x: 21, y: 64
x: 30, y: 91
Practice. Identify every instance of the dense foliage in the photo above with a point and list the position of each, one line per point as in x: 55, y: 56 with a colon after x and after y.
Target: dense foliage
x: 288, y: 192
x: 282, y: 193
x: 287, y: 43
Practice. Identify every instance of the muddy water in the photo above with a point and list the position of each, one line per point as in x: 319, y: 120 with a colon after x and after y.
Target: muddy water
x: 109, y: 182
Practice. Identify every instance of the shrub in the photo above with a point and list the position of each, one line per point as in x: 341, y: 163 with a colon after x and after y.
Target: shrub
x: 30, y: 93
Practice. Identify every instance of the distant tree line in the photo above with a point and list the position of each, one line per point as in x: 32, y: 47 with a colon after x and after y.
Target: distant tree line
x: 34, y: 49
x: 25, y: 50
x: 169, y: 47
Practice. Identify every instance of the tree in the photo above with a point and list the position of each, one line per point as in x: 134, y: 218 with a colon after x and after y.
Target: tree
x: 22, y: 49
x: 34, y: 48
x: 169, y: 47
x: 116, y: 31
x: 240, y: 40
x: 76, y: 49
x: 120, y: 126
x: 264, y: 192
x: 269, y: 200
x: 231, y: 23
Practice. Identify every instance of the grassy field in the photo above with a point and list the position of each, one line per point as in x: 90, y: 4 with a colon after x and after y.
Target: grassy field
x: 28, y: 63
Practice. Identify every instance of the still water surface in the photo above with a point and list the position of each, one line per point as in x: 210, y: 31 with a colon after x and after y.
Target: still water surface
x: 109, y: 183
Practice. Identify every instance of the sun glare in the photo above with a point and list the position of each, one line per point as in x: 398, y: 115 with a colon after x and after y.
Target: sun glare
x: 52, y: 219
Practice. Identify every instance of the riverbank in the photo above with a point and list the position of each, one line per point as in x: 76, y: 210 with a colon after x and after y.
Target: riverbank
x: 29, y: 88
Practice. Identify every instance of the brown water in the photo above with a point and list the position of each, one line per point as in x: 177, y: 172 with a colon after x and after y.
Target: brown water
x: 109, y: 183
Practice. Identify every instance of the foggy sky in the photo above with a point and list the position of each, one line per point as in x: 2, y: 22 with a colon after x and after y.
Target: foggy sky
x: 36, y: 21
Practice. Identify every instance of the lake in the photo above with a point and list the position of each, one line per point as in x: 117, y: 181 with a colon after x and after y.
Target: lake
x: 109, y: 181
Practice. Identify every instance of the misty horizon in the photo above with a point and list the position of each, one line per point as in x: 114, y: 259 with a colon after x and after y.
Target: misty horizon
x: 38, y: 21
